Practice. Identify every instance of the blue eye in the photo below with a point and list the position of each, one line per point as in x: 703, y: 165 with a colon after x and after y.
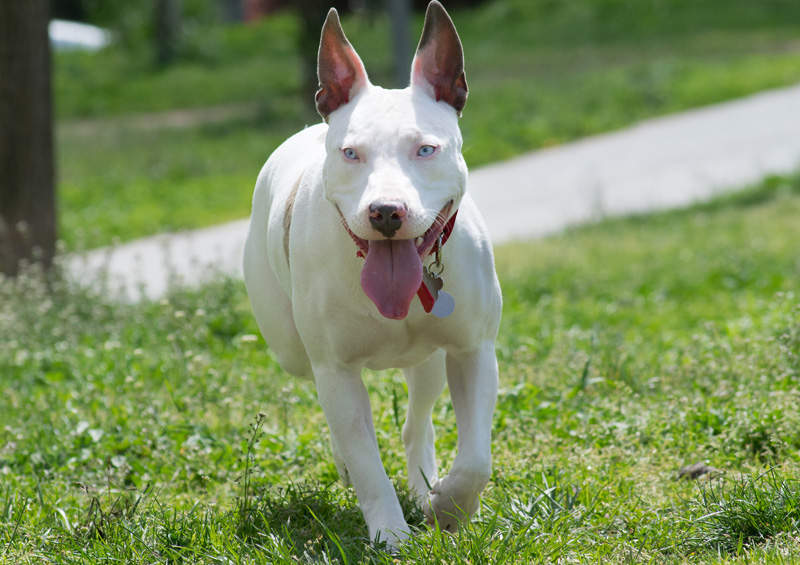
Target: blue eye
x: 350, y: 154
x: 426, y: 151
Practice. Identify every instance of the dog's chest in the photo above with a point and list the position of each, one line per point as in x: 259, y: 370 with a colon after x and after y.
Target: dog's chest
x: 382, y: 344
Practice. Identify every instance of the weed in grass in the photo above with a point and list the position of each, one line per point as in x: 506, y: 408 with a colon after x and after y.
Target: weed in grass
x: 100, y: 520
x: 737, y: 514
x: 311, y: 519
x: 244, y: 501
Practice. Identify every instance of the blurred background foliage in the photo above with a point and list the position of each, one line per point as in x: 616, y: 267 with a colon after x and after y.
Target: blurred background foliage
x: 134, y: 23
x: 144, y: 147
x: 499, y: 30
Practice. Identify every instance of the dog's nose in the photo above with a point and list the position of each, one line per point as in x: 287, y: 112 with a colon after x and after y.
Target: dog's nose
x: 387, y: 217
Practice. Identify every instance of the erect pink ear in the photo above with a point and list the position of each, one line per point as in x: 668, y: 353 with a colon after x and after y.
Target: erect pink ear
x: 341, y: 72
x: 438, y: 65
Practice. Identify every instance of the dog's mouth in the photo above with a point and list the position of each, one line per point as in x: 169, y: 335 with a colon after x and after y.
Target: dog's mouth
x: 392, y: 271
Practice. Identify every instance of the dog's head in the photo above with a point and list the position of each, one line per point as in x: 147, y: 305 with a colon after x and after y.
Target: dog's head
x: 394, y: 168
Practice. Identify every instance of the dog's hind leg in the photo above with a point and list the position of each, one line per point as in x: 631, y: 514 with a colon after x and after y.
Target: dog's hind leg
x: 271, y: 305
x: 425, y: 385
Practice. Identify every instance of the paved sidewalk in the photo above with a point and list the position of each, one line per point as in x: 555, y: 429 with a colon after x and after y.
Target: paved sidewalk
x: 659, y: 163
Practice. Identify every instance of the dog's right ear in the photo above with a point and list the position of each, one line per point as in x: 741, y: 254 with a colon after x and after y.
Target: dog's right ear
x: 339, y: 69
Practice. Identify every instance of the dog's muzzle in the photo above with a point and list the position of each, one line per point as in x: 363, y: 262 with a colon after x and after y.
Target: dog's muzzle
x: 392, y: 272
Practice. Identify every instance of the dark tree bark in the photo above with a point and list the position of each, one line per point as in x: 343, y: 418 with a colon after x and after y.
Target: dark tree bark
x: 27, y: 197
x: 232, y: 10
x: 167, y: 15
x: 312, y: 14
x: 68, y: 10
x: 400, y: 16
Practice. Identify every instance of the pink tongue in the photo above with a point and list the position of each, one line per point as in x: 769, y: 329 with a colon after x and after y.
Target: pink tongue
x: 391, y: 275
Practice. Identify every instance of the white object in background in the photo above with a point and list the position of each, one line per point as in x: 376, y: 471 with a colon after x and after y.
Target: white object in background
x: 66, y: 35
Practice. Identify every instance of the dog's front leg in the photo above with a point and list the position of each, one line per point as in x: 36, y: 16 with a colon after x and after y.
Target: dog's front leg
x: 472, y: 378
x: 425, y: 385
x: 345, y: 401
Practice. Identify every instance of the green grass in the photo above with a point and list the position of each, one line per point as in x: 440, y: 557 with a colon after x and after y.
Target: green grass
x: 132, y: 183
x: 749, y: 512
x: 628, y: 349
x: 540, y: 73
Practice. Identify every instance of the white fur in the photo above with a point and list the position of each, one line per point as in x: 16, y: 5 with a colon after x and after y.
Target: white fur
x: 315, y: 316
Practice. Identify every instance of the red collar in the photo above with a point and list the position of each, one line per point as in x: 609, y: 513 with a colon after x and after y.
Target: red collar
x: 425, y: 296
x: 446, y: 231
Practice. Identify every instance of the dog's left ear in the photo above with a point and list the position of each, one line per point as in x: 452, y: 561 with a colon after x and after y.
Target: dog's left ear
x: 438, y: 66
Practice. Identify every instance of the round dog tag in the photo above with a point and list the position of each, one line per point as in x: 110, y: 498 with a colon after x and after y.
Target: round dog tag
x: 444, y: 306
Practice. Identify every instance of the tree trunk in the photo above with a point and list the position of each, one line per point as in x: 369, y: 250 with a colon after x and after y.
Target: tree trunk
x: 312, y: 14
x: 400, y: 15
x: 232, y: 10
x: 167, y: 15
x: 27, y: 198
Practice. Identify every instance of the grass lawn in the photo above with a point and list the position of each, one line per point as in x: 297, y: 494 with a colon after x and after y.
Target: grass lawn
x: 540, y: 73
x: 628, y: 349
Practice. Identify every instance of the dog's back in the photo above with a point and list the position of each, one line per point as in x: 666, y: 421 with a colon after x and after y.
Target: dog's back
x: 266, y: 253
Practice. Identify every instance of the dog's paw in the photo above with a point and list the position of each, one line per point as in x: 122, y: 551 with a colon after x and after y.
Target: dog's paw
x: 452, y: 500
x: 391, y: 539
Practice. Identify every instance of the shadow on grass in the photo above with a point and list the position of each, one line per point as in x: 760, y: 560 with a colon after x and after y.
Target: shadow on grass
x: 315, y: 523
x: 305, y: 523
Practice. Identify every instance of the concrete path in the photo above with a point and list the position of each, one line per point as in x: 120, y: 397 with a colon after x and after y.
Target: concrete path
x: 659, y: 163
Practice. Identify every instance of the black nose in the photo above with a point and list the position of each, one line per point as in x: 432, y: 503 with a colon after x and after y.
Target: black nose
x: 387, y: 217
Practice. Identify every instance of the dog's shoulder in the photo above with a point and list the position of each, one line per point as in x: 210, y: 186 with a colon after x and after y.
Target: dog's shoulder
x: 309, y: 138
x: 276, y: 191
x: 287, y: 164
x: 293, y: 156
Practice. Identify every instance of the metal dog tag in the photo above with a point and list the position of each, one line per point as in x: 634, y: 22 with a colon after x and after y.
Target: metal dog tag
x: 444, y: 305
x: 432, y: 282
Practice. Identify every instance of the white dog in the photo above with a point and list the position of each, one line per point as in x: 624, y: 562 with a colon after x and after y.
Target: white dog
x: 348, y: 252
